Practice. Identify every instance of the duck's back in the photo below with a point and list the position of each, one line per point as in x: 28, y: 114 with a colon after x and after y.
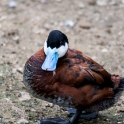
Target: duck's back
x: 76, y: 79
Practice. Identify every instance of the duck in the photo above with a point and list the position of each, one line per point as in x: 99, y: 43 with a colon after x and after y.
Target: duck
x: 69, y: 78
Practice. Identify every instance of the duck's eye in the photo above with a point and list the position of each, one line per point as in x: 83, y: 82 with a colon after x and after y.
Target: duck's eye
x: 60, y: 42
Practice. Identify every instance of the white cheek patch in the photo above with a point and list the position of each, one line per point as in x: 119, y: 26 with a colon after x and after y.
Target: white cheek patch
x: 62, y: 50
x: 45, y: 47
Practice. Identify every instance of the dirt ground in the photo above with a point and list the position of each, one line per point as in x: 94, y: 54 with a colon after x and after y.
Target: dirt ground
x: 95, y: 27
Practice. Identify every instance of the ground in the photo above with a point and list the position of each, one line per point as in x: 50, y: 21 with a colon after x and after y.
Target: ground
x: 94, y: 27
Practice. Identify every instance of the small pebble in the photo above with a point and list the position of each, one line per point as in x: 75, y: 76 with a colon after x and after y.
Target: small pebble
x: 43, y: 1
x: 1, y: 120
x: 122, y: 1
x: 12, y: 4
x: 104, y: 50
x: 113, y: 2
x: 84, y: 24
x: 20, y: 70
x: 120, y: 33
x: 16, y: 38
x: 18, y: 94
x: 0, y: 26
x: 92, y: 2
x: 119, y: 122
x: 94, y: 57
x: 24, y: 96
x: 24, y: 121
x: 39, y: 31
x: 101, y: 2
x: 49, y: 105
x: 81, y: 5
x: 3, y: 17
x: 58, y: 0
x: 57, y: 108
x: 46, y: 26
x: 121, y: 110
x: 1, y: 74
x: 69, y: 23
x: 11, y: 88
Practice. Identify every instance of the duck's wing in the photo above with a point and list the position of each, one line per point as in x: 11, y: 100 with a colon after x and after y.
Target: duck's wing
x: 97, y: 71
x: 78, y: 69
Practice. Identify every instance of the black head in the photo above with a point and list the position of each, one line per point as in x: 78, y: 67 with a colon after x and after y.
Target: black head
x: 56, y: 39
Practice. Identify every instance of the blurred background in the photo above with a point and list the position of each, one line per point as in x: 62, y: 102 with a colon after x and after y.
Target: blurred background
x: 96, y: 27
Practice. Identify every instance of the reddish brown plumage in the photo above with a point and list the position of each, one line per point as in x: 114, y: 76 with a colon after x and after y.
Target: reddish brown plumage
x: 77, y: 78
